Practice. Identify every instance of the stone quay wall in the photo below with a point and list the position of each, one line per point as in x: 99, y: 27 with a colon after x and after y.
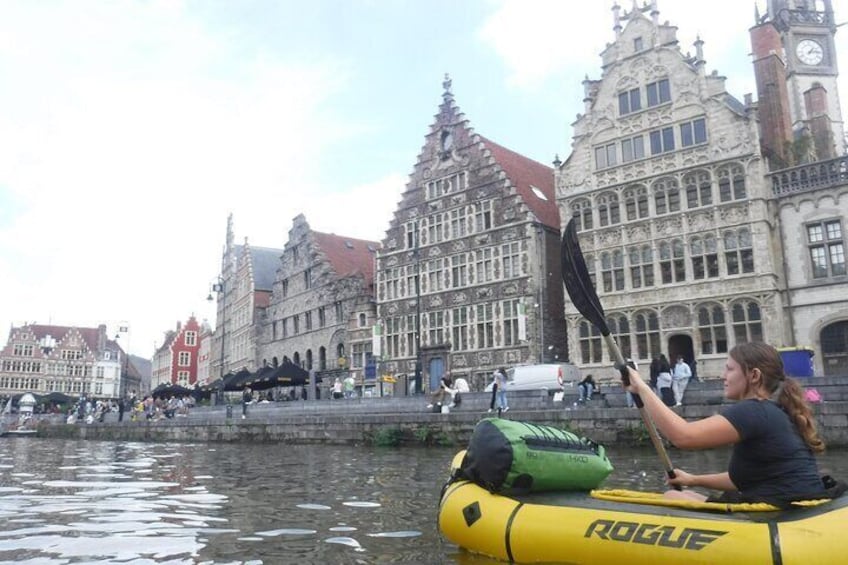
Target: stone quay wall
x: 406, y: 420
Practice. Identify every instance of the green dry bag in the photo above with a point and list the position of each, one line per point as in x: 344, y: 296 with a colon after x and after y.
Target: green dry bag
x: 508, y: 456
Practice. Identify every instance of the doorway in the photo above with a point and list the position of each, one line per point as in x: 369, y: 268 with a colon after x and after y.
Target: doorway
x: 680, y: 345
x: 435, y: 368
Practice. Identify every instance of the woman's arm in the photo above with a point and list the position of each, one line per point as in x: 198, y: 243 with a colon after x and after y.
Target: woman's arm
x: 713, y: 431
x: 714, y: 481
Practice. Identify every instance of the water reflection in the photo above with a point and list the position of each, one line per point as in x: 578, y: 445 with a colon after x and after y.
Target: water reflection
x: 101, y: 502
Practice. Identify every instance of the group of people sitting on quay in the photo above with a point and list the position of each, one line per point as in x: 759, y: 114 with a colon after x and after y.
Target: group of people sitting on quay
x: 448, y: 389
x: 91, y: 410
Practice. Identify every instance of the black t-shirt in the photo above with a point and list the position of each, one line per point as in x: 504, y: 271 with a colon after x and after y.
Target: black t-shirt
x: 771, y: 460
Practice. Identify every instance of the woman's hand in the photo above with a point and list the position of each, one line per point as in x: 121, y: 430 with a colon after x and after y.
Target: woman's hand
x: 682, y: 479
x: 637, y: 385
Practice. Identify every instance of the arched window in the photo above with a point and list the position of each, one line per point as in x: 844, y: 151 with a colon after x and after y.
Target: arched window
x: 731, y: 183
x: 340, y: 350
x: 609, y: 212
x: 274, y: 362
x: 590, y: 266
x: 308, y: 359
x: 296, y: 358
x: 362, y: 320
x: 666, y: 195
x: 581, y: 211
x: 738, y: 251
x: 713, y: 331
x: 647, y: 334
x: 747, y: 322
x: 590, y: 343
x: 704, y: 253
x: 834, y: 345
x: 619, y: 327
x: 322, y: 358
x: 698, y: 187
x: 636, y: 203
x: 286, y: 359
x: 641, y: 266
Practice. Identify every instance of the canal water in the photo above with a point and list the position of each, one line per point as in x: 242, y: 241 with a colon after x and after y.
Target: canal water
x: 105, y: 502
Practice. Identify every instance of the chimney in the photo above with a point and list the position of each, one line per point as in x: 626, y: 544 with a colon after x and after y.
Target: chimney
x: 772, y: 93
x: 818, y: 121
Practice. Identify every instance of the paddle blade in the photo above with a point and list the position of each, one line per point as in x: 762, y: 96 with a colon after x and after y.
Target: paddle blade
x: 577, y: 281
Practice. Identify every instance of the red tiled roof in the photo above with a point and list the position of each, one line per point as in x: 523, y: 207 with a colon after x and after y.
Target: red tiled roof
x: 349, y: 256
x: 525, y: 173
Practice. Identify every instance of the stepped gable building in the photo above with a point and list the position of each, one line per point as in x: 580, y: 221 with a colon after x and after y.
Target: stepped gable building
x: 469, y: 268
x: 675, y: 204
x: 321, y: 312
x: 243, y: 291
x: 71, y: 360
x: 804, y: 137
x: 176, y: 360
x: 667, y: 186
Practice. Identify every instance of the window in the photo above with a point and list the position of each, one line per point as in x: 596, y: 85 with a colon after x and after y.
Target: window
x: 485, y: 327
x: 658, y: 92
x: 392, y: 337
x: 672, y: 266
x: 459, y: 329
x: 666, y: 195
x: 309, y: 358
x: 582, y: 213
x: 296, y: 324
x: 647, y: 335
x: 458, y: 223
x: 295, y: 254
x: 590, y: 343
x: 436, y: 228
x: 307, y: 320
x: 632, y: 149
x: 738, y: 252
x: 71, y: 354
x: 363, y: 320
x: 827, y: 248
x: 410, y: 329
x: 605, y: 156
x: 747, y: 322
x: 22, y: 350
x: 359, y: 356
x: 435, y: 328
x: 191, y: 338
x: 184, y: 359
x: 638, y: 44
x: 339, y: 312
x: 510, y: 322
x: 483, y: 265
x: 698, y: 187
x: 459, y: 270
x: 285, y: 326
x: 731, y: 183
x: 662, y: 140
x: 100, y: 372
x: 693, y: 133
x: 629, y: 101
x: 641, y: 267
x: 322, y: 316
x: 511, y: 260
x: 712, y: 329
x: 483, y: 216
x: 285, y: 287
x: 612, y: 270
x: 410, y: 235
x: 609, y: 213
x: 435, y: 275
x: 620, y: 328
x: 636, y: 203
x: 704, y: 252
x: 446, y: 185
x: 307, y: 279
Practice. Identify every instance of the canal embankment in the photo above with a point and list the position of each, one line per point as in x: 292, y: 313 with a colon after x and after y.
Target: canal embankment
x: 406, y: 420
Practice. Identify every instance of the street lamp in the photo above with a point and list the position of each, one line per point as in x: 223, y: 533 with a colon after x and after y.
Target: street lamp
x: 122, y: 384
x: 218, y: 288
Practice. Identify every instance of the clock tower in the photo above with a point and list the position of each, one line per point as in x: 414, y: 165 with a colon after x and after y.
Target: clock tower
x: 807, y: 29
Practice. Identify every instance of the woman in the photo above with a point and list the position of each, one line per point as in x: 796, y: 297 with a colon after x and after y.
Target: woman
x: 587, y: 388
x: 770, y: 426
x: 445, y: 390
x: 664, y: 381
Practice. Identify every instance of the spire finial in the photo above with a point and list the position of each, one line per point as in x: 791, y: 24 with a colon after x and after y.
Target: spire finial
x: 557, y: 162
x: 446, y: 84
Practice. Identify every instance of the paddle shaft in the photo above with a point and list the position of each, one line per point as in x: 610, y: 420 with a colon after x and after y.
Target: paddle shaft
x: 615, y: 353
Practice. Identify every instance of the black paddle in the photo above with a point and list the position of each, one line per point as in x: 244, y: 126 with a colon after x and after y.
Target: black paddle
x: 579, y: 286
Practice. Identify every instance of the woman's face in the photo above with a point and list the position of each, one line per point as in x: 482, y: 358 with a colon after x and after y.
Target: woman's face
x: 736, y: 382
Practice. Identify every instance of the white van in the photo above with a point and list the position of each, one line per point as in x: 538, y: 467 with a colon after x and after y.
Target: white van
x: 551, y: 377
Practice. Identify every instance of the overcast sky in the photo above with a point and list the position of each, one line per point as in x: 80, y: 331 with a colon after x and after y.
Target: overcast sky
x: 129, y: 130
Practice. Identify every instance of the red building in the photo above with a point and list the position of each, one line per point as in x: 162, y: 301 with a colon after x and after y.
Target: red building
x: 176, y: 361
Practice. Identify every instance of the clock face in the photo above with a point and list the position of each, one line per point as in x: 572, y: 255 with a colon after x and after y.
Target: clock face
x: 809, y: 52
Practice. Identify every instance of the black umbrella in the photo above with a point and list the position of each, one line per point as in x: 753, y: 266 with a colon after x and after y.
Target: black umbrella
x: 56, y: 398
x: 289, y: 374
x: 262, y: 379
x: 237, y: 381
x: 166, y: 390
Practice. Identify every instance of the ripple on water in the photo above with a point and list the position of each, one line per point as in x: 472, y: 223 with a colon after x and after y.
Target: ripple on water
x: 362, y: 504
x: 344, y: 540
x: 343, y: 529
x: 309, y: 506
x: 400, y: 534
x: 287, y: 532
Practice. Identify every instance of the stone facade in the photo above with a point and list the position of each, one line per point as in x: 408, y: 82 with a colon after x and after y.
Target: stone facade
x: 243, y: 291
x: 469, y: 268
x: 321, y: 310
x: 666, y: 184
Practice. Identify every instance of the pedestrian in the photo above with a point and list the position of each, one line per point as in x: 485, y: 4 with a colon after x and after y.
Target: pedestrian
x: 655, y: 371
x: 349, y: 385
x: 121, y: 408
x: 680, y: 379
x: 444, y: 390
x: 246, y: 398
x: 664, y: 381
x: 587, y: 388
x: 500, y: 381
x: 337, y: 389
x: 771, y: 428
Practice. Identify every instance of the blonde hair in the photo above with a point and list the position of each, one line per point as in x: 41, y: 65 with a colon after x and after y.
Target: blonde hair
x: 790, y: 395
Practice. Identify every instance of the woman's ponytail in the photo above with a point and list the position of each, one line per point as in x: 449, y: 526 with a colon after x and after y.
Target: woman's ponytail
x: 791, y: 399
